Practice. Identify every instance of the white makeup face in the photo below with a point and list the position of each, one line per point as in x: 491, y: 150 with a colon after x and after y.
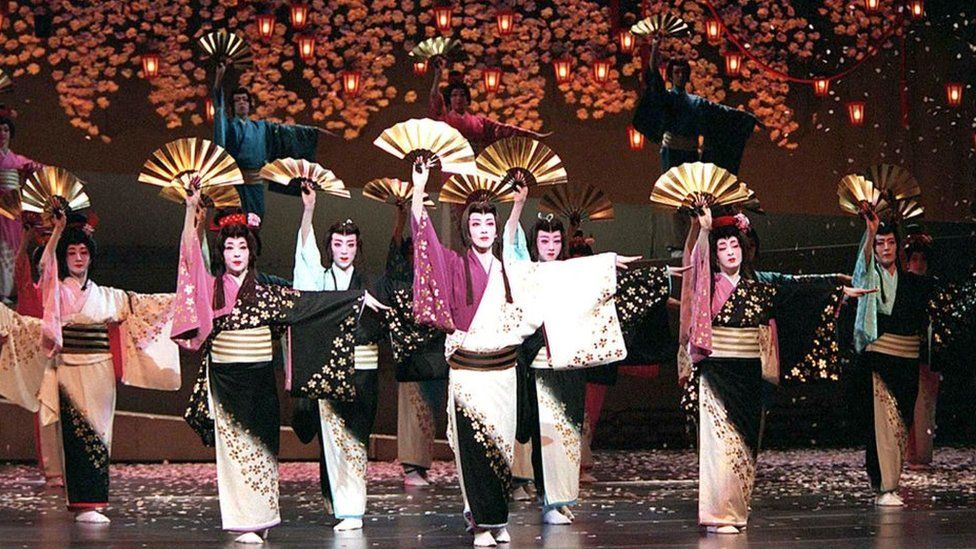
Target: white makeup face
x: 78, y: 259
x: 548, y: 244
x: 344, y: 248
x: 236, y: 255
x: 729, y: 254
x: 885, y: 249
x: 481, y: 229
x: 459, y: 101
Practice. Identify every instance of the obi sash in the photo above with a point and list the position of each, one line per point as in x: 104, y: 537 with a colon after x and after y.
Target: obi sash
x: 901, y: 346
x: 504, y: 359
x: 85, y: 339
x: 680, y: 142
x: 367, y: 357
x: 248, y: 346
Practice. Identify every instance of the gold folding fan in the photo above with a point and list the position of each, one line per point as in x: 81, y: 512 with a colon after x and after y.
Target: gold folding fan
x: 6, y: 83
x: 213, y: 197
x: 294, y: 172
x: 10, y: 203
x: 392, y: 191
x: 894, y: 182
x: 509, y: 158
x: 694, y: 185
x: 431, y: 139
x: 52, y: 189
x: 432, y: 47
x: 651, y: 25
x: 856, y: 194
x: 178, y: 162
x: 907, y: 209
x: 226, y: 47
x: 577, y: 203
x: 460, y: 189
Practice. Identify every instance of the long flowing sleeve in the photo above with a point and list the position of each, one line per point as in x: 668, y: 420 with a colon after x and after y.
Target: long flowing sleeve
x: 22, y: 363
x: 308, y: 264
x: 435, y: 105
x: 291, y: 141
x: 398, y: 266
x: 50, y: 284
x: 866, y: 276
x: 431, y: 276
x: 700, y: 321
x: 495, y: 130
x: 515, y: 247
x: 652, y: 108
x: 149, y: 358
x: 193, y: 314
x: 220, y: 117
x: 725, y: 132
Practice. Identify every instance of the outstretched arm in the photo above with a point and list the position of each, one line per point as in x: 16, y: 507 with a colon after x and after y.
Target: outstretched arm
x: 308, y: 201
x: 436, y: 107
x: 420, y: 175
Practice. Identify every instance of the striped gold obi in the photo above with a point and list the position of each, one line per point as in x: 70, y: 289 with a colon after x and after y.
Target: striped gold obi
x: 247, y: 346
x: 541, y: 361
x: 735, y: 342
x: 84, y: 339
x: 680, y: 142
x: 9, y: 179
x: 896, y: 345
x: 367, y: 357
x: 252, y: 177
x: 504, y: 359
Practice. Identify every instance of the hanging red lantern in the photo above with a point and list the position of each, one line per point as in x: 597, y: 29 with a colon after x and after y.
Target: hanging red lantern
x: 954, y: 93
x: 855, y: 112
x: 265, y: 23
x: 713, y: 29
x: 601, y: 70
x: 505, y: 19
x: 442, y: 17
x: 208, y: 110
x: 493, y: 79
x: 299, y: 15
x: 626, y: 40
x: 150, y: 65
x: 821, y: 86
x: 872, y: 6
x: 635, y: 139
x: 563, y: 67
x: 917, y: 8
x: 351, y: 82
x: 733, y: 63
x: 420, y: 67
x: 306, y: 47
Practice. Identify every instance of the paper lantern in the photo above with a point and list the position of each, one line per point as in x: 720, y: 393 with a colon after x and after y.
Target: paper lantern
x: 150, y: 65
x: 855, y: 112
x: 601, y: 70
x: 420, y: 67
x: 351, y: 82
x: 917, y: 9
x: 493, y: 79
x: 635, y: 139
x: 299, y: 15
x: 265, y: 22
x: 442, y: 17
x: 505, y: 20
x: 733, y: 63
x: 626, y: 41
x: 872, y: 6
x: 713, y: 29
x: 821, y: 86
x: 563, y: 67
x: 208, y: 110
x: 954, y: 93
x: 306, y: 47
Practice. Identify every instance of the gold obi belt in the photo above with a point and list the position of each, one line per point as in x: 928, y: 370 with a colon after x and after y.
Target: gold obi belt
x: 901, y: 346
x: 85, y: 339
x: 252, y: 177
x: 541, y: 361
x: 248, y: 346
x: 495, y: 360
x: 680, y: 142
x: 9, y: 179
x: 367, y: 357
x: 735, y: 342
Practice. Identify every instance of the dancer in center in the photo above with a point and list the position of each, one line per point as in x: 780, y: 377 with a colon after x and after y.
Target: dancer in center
x: 488, y: 307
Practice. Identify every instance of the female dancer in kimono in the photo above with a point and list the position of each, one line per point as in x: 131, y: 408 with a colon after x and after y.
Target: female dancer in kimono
x: 732, y: 342
x: 12, y: 169
x: 344, y: 426
x: 230, y: 316
x: 84, y: 325
x: 488, y: 308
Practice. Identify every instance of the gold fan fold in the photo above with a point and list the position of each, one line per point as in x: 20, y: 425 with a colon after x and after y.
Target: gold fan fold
x: 650, y: 25
x: 694, y: 185
x: 226, y: 47
x: 429, y: 138
x: 178, y: 162
x: 6, y: 83
x: 506, y: 158
x: 577, y: 203
x: 293, y: 172
x: 53, y: 189
x: 432, y: 47
x: 392, y: 191
x: 10, y: 203
x: 894, y: 182
x: 907, y: 209
x: 460, y: 189
x: 213, y: 197
x: 855, y: 194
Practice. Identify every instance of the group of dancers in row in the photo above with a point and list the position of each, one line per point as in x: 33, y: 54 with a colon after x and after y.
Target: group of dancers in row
x: 508, y: 319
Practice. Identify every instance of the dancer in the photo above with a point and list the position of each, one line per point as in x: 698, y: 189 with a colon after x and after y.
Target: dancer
x: 731, y: 335
x: 488, y: 307
x: 918, y: 248
x: 344, y: 426
x: 13, y: 167
x: 253, y: 143
x: 888, y: 334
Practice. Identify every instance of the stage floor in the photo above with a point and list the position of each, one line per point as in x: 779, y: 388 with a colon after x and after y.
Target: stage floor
x: 805, y: 498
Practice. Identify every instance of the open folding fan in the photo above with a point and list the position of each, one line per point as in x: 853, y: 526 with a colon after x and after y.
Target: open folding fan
x: 435, y: 141
x: 53, y: 190
x: 291, y: 173
x: 651, y: 25
x: 392, y: 191
x: 432, y: 47
x: 10, y: 203
x: 894, y: 182
x: 213, y: 197
x: 226, y: 47
x: 176, y: 164
x: 461, y: 189
x: 577, y: 203
x: 6, y: 83
x: 694, y: 185
x: 521, y: 158
x: 857, y: 194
